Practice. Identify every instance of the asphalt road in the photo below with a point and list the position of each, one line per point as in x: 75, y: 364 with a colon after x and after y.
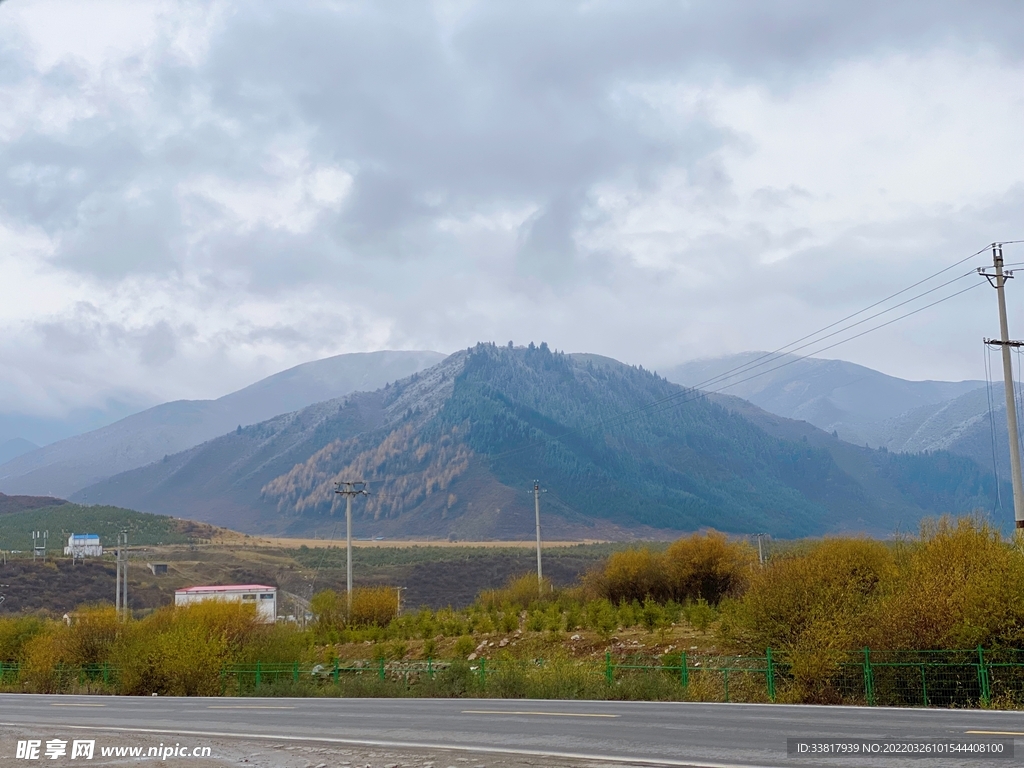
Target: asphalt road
x: 642, y: 733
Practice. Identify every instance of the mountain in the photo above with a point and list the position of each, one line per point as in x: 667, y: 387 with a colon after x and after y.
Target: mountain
x: 69, y: 465
x: 972, y: 425
x: 454, y: 450
x: 45, y: 429
x: 833, y: 395
x: 16, y: 446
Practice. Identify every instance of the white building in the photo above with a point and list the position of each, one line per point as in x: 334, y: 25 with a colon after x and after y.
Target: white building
x: 84, y: 545
x: 260, y: 595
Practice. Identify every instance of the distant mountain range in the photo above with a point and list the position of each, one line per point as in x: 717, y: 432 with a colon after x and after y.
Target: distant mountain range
x: 454, y: 449
x: 833, y: 395
x: 66, y: 466
x: 866, y: 407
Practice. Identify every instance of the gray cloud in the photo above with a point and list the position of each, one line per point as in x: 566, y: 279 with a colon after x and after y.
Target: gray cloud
x: 311, y: 178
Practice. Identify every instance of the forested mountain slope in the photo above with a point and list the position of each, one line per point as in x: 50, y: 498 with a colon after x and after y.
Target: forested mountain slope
x: 454, y: 451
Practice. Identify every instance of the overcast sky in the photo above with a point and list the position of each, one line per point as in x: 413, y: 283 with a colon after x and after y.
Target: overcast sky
x: 194, y: 195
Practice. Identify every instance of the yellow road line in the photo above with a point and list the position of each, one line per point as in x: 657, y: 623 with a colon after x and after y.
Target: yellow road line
x: 77, y: 705
x: 248, y: 707
x: 998, y: 733
x: 544, y: 714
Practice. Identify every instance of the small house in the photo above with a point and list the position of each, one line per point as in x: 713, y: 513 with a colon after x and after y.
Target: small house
x: 84, y: 545
x: 259, y: 595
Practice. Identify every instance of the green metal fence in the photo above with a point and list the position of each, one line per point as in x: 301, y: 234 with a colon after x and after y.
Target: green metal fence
x: 961, y: 678
x: 87, y: 678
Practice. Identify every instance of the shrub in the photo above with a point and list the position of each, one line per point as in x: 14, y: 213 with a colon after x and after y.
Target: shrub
x: 15, y: 634
x: 328, y: 609
x: 634, y: 574
x: 397, y: 650
x: 425, y: 623
x: 509, y: 620
x: 601, y: 617
x: 429, y: 648
x: 651, y: 615
x: 187, y: 660
x: 179, y: 651
x: 536, y: 620
x: 700, y: 614
x: 959, y: 586
x: 464, y: 646
x: 519, y: 592
x: 815, y: 599
x: 628, y: 613
x: 373, y: 606
x: 708, y: 567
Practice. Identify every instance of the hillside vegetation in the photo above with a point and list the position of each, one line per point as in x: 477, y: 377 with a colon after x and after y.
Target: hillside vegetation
x: 645, y: 623
x: 65, y: 518
x: 454, y: 451
x: 519, y: 414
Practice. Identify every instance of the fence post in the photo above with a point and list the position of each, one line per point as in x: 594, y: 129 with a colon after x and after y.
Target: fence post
x: 684, y: 672
x: 869, y: 678
x: 483, y: 673
x: 770, y: 673
x: 609, y: 672
x: 726, y: 685
x: 430, y: 668
x: 983, y: 683
x: 380, y: 669
x: 924, y: 686
x: 336, y: 670
x: 106, y: 673
x: 295, y: 672
x: 257, y: 675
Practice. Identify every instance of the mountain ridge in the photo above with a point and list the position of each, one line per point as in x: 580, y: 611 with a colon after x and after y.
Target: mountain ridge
x: 453, y: 449
x: 834, y: 395
x: 65, y: 467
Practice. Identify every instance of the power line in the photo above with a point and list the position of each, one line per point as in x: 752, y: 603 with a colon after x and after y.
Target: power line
x: 782, y: 349
x: 749, y: 366
x: 769, y: 357
x: 838, y: 343
x: 692, y: 394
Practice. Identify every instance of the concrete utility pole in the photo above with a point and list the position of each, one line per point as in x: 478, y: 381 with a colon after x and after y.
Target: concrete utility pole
x: 536, y: 509
x: 124, y: 577
x: 348, y: 490
x: 998, y: 280
x: 760, y: 547
x: 121, y: 584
